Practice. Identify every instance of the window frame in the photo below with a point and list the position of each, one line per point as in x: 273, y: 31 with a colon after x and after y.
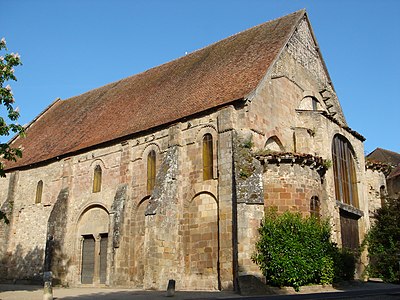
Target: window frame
x: 151, y: 171
x: 315, y: 207
x: 97, y: 179
x: 39, y: 192
x: 208, y: 156
x: 344, y: 171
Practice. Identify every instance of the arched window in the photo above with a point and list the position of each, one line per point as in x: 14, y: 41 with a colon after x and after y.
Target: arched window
x: 382, y: 193
x: 97, y: 179
x: 314, y: 207
x: 151, y: 171
x: 39, y: 192
x: 309, y: 103
x: 344, y: 171
x: 207, y: 157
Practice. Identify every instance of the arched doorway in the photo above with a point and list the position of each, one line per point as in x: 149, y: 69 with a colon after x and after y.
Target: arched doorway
x: 201, y: 242
x: 93, y: 228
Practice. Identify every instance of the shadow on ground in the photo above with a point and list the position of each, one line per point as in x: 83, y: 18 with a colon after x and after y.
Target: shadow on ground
x: 19, y: 287
x: 139, y: 295
x: 348, y: 290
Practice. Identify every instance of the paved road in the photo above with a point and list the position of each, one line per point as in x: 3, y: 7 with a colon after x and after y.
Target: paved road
x: 363, y: 292
x: 390, y: 294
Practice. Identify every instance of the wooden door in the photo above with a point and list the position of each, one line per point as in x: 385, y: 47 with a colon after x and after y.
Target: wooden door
x: 88, y: 259
x: 349, y: 230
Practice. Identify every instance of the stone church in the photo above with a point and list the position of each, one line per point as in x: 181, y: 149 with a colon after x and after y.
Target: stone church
x: 167, y: 174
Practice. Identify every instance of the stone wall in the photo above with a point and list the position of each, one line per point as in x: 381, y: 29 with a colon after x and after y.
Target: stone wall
x: 377, y: 191
x: 296, y: 107
x: 151, y: 237
x: 26, y: 240
x: 393, y: 187
x: 289, y: 186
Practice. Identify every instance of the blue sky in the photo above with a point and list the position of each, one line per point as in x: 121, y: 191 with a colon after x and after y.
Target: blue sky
x: 69, y: 47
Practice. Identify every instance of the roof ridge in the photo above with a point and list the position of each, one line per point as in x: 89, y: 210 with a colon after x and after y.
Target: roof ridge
x: 301, y: 11
x: 208, y: 78
x: 245, y: 30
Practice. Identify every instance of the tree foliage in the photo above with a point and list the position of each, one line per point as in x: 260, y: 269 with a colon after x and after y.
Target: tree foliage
x: 8, y: 121
x: 383, y: 242
x: 296, y: 251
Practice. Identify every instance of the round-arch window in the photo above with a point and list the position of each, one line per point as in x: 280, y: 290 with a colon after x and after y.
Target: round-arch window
x: 207, y: 157
x: 151, y: 171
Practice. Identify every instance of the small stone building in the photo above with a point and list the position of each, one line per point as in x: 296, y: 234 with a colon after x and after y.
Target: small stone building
x: 166, y: 174
x: 390, y: 161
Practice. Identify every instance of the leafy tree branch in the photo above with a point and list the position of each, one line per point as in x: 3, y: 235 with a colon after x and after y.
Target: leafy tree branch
x: 8, y: 120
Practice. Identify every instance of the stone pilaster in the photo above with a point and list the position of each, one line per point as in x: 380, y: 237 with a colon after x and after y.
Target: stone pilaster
x: 227, y: 211
x: 162, y: 226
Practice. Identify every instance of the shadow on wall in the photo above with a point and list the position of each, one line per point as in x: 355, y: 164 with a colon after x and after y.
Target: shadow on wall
x: 59, y: 264
x: 22, y: 267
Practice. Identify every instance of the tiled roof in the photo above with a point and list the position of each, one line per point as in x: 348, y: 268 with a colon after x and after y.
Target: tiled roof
x: 385, y: 156
x: 395, y: 172
x: 208, y: 78
x: 388, y: 157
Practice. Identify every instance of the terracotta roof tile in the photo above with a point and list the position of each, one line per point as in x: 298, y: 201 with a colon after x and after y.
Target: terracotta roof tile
x: 210, y: 77
x: 395, y: 172
x: 385, y: 156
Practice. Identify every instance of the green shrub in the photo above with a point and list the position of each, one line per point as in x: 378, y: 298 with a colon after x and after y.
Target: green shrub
x: 383, y: 241
x: 295, y: 251
x: 344, y: 264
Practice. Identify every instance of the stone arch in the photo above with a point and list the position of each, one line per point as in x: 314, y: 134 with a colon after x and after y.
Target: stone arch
x: 92, y: 230
x: 209, y: 128
x: 99, y: 162
x: 310, y: 102
x: 138, y: 231
x: 201, y: 241
x: 82, y: 209
x: 93, y: 219
x: 195, y: 191
x: 273, y: 143
x: 149, y: 147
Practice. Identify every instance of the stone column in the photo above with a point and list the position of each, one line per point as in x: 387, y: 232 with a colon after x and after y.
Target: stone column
x: 96, y: 275
x: 79, y: 260
x: 111, y: 249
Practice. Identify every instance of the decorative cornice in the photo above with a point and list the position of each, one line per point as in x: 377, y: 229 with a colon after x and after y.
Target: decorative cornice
x: 347, y: 128
x: 378, y: 166
x: 314, y: 162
